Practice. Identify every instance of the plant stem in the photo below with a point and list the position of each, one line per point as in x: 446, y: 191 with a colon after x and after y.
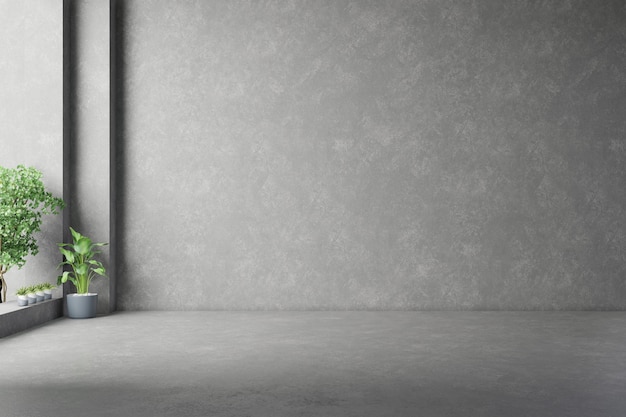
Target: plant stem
x: 4, y: 285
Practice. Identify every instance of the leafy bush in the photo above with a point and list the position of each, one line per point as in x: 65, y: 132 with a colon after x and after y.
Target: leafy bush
x: 79, y: 256
x: 23, y: 202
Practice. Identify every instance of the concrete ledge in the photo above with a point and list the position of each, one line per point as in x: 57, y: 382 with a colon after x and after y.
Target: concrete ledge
x: 14, y: 319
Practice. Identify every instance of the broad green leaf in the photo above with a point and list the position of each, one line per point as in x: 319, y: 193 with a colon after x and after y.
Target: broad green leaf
x: 69, y: 256
x: 99, y: 271
x: 81, y: 269
x: 75, y: 235
x: 63, y: 278
x: 83, y: 245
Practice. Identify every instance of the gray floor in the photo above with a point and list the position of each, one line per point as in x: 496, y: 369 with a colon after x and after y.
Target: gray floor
x: 319, y: 364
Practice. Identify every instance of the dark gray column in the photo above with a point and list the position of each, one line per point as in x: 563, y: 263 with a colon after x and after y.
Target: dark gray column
x: 91, y: 133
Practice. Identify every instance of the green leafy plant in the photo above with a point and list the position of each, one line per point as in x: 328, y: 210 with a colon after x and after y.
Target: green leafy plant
x: 47, y: 286
x: 23, y: 202
x: 22, y: 291
x: 79, y: 257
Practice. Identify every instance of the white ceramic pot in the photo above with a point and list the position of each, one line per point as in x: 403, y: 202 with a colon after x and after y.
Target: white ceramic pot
x: 22, y: 300
x: 32, y: 298
x: 47, y: 294
x: 40, y: 296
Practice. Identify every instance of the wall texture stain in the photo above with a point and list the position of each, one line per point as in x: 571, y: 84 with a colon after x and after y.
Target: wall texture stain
x: 373, y: 155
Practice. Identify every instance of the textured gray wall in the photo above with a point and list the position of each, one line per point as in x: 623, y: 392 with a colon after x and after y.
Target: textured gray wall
x: 373, y: 155
x: 31, y: 115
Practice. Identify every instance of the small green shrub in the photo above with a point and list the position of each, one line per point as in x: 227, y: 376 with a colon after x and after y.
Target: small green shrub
x: 22, y: 291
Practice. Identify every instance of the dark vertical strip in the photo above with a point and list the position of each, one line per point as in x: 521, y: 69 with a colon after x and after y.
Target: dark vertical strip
x: 67, y: 121
x: 119, y: 164
x: 112, y: 157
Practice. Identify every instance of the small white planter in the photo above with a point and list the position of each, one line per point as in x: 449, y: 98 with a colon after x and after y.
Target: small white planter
x: 47, y: 294
x: 32, y: 298
x: 22, y: 300
x: 40, y: 296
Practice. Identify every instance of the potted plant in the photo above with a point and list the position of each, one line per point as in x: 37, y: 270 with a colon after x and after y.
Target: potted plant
x: 23, y: 202
x: 81, y: 269
x: 30, y: 293
x: 39, y: 293
x: 22, y: 296
x: 47, y: 290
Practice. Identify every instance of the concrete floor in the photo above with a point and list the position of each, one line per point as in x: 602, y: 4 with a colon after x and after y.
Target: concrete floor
x: 504, y: 364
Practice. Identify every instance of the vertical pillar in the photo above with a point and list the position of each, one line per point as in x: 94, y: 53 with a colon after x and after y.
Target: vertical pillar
x: 91, y: 142
x: 112, y: 156
x: 67, y: 116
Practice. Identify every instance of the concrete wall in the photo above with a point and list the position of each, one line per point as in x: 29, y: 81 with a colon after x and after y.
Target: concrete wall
x: 409, y: 155
x: 31, y: 115
x: 372, y: 155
